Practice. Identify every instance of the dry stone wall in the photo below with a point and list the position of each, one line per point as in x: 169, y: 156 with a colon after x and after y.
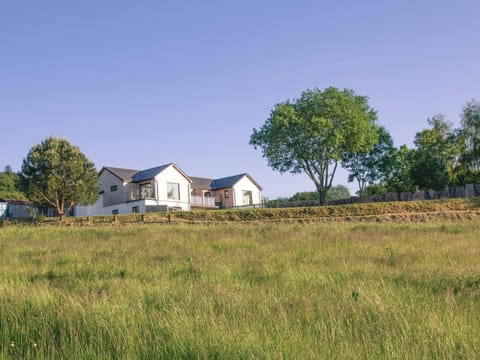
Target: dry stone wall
x: 467, y: 191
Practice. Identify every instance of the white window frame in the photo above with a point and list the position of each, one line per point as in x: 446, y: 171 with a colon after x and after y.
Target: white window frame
x: 173, y: 191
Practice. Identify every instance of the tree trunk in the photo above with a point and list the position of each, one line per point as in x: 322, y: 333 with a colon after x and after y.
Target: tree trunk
x: 61, y: 214
x: 322, y: 196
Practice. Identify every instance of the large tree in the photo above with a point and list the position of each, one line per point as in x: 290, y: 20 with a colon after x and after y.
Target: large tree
x: 313, y: 133
x: 57, y: 174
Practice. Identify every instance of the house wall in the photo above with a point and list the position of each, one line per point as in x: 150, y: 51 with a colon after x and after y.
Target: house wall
x: 245, y: 184
x: 171, y: 175
x: 220, y: 195
x: 95, y: 209
x: 18, y: 211
x: 106, y: 180
x: 14, y: 210
x: 198, y: 192
x: 125, y: 208
x: 3, y: 209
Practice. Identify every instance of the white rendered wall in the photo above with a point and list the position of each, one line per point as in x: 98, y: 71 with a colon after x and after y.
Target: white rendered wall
x: 245, y: 184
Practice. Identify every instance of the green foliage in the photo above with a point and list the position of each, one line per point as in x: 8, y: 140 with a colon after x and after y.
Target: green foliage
x: 314, y: 133
x: 57, y: 174
x: 434, y: 161
x: 305, y: 196
x: 338, y: 192
x: 241, y: 291
x: 9, y: 185
x: 470, y: 129
x: 366, y: 168
x: 398, y: 171
x: 374, y: 190
x: 334, y: 193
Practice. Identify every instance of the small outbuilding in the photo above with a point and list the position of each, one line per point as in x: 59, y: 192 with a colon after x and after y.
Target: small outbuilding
x: 15, y: 209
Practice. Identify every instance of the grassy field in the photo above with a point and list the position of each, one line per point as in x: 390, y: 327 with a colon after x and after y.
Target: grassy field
x: 241, y: 291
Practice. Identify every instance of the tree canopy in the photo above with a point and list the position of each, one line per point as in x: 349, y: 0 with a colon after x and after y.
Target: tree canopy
x: 9, y: 184
x: 334, y: 193
x: 57, y: 174
x: 470, y: 129
x: 367, y: 167
x: 313, y: 133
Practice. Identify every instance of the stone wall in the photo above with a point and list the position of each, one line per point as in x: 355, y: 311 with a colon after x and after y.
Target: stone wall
x: 467, y: 191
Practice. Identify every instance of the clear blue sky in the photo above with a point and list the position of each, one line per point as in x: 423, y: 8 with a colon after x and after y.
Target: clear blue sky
x: 137, y: 84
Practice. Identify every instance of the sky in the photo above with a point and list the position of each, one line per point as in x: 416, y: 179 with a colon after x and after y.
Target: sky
x: 137, y: 84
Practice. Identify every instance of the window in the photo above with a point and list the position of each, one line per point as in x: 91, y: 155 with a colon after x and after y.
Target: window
x: 207, y: 194
x: 173, y: 191
x: 226, y: 194
x: 146, y: 191
x: 113, y: 188
x: 115, y: 212
x: 135, y: 209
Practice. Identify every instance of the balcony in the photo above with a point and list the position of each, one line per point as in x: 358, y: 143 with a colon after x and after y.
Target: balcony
x: 203, y: 201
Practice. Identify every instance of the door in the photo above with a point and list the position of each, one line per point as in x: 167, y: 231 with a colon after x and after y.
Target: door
x: 247, y: 197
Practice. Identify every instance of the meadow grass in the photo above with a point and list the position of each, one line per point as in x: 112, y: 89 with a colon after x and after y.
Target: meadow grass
x: 241, y: 291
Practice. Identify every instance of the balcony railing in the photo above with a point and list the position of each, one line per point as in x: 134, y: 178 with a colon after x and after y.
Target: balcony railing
x: 197, y: 200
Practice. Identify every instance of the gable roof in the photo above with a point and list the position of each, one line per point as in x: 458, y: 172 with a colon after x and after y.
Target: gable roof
x: 201, y: 183
x: 151, y: 173
x: 231, y: 181
x: 123, y: 174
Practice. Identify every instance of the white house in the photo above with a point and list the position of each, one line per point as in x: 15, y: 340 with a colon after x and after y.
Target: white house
x: 127, y: 191
x: 167, y: 188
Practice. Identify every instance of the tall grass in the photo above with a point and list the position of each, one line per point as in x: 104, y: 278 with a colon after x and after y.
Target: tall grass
x: 305, y: 291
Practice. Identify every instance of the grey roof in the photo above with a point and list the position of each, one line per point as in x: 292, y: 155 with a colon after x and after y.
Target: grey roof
x: 149, y: 173
x: 201, y: 183
x: 124, y: 174
x: 222, y: 183
x: 226, y: 181
x: 16, y: 201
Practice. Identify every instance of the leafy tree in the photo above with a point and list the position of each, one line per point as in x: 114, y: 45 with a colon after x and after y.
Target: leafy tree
x: 374, y: 190
x: 314, y: 133
x: 434, y: 161
x: 9, y: 184
x: 366, y: 167
x: 470, y: 128
x: 428, y: 170
x: 56, y: 173
x: 305, y: 196
x: 397, y: 171
x: 334, y: 193
x: 338, y: 192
